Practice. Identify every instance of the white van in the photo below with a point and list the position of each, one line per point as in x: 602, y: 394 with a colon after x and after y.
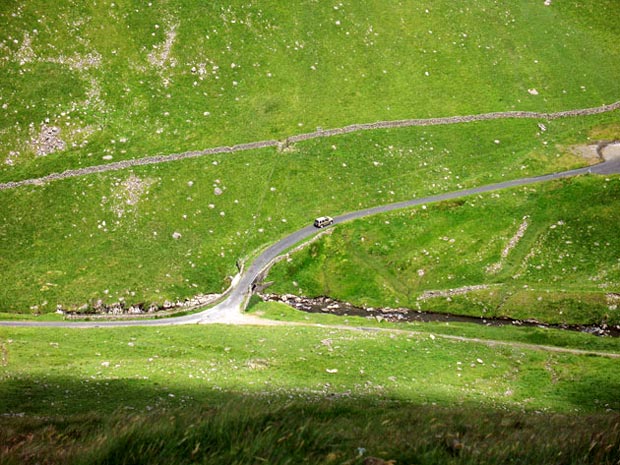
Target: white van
x: 323, y: 221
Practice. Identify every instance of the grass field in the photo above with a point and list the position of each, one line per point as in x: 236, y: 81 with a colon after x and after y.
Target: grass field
x: 126, y: 79
x: 131, y: 395
x: 546, y: 252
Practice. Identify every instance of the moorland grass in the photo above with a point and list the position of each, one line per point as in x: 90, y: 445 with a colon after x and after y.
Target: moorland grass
x: 138, y: 395
x: 110, y: 236
x: 563, y: 269
x: 128, y: 79
x: 339, y: 431
x: 76, y: 371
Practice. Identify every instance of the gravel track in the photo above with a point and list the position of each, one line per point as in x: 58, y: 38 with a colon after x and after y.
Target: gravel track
x: 120, y: 165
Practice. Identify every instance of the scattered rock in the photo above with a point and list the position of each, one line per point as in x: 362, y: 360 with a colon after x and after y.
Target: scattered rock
x: 334, y: 307
x: 257, y: 364
x: 452, y: 292
x: 127, y: 194
x: 48, y: 141
x: 11, y: 158
x: 160, y: 56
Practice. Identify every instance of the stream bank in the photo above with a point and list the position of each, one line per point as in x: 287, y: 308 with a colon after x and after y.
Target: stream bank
x: 327, y: 305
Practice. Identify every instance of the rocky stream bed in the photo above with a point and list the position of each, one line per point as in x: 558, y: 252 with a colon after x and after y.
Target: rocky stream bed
x: 334, y: 307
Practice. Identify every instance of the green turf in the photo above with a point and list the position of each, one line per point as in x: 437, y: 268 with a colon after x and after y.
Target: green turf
x: 509, y: 333
x: 78, y: 371
x: 93, y: 391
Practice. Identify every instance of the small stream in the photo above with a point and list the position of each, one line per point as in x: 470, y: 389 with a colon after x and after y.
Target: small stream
x: 334, y: 307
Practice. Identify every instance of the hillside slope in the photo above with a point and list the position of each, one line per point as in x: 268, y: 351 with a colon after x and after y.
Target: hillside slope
x: 94, y: 83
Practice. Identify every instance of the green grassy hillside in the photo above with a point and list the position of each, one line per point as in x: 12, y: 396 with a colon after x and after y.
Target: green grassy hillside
x: 126, y: 79
x: 547, y: 252
x: 315, y: 395
x: 90, y: 83
x: 97, y: 83
x: 110, y: 236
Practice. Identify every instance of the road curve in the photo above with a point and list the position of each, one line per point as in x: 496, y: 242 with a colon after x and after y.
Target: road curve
x: 231, y: 309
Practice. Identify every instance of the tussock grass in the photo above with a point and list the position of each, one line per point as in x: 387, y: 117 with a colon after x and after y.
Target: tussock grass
x: 280, y: 431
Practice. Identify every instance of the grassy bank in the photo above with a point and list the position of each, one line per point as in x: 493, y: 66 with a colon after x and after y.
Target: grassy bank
x: 547, y: 252
x: 137, y: 395
x: 69, y: 371
x: 550, y: 337
x: 338, y: 431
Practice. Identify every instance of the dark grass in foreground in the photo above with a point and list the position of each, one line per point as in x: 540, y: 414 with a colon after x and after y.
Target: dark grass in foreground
x: 218, y: 394
x: 340, y: 431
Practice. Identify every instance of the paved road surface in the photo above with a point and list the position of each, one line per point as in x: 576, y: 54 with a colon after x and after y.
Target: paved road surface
x: 231, y: 309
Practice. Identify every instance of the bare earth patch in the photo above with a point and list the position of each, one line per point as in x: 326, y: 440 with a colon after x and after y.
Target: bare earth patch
x: 611, y: 151
x: 587, y: 152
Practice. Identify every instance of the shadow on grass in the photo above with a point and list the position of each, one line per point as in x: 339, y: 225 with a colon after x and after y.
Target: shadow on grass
x: 599, y: 388
x: 131, y: 422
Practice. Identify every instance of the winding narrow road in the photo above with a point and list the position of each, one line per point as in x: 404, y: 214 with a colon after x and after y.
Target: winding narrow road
x: 230, y: 311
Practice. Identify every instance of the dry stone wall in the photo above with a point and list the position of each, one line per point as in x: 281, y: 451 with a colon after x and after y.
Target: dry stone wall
x: 308, y: 136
